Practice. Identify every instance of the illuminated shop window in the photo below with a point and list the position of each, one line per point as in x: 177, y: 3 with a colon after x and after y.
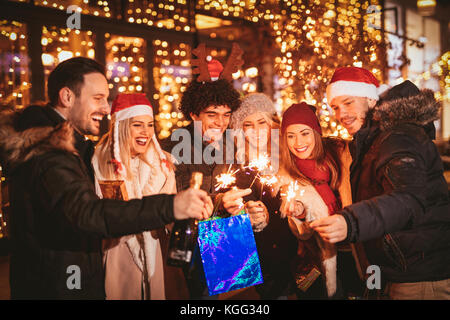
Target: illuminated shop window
x: 126, y: 64
x: 14, y: 73
x: 172, y: 73
x: 61, y: 44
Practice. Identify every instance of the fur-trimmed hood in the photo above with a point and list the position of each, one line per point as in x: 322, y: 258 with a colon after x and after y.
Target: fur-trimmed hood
x: 17, y: 147
x: 405, y: 103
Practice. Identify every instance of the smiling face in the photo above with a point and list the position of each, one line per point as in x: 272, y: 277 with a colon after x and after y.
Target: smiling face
x: 215, y: 120
x: 88, y: 109
x: 141, y: 134
x: 351, y: 111
x: 257, y: 130
x: 300, y: 140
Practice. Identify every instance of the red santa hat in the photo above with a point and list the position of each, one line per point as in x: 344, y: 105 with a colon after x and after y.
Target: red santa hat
x: 126, y: 106
x: 354, y: 81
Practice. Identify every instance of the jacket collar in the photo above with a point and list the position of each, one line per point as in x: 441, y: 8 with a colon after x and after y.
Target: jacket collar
x: 363, y: 139
x: 405, y: 103
x: 18, y: 146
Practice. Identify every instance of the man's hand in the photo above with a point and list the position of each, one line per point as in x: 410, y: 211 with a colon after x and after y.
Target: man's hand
x: 233, y: 200
x: 332, y: 229
x: 259, y: 216
x: 192, y: 203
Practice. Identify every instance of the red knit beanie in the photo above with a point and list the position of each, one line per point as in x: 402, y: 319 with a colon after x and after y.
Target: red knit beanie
x: 301, y: 113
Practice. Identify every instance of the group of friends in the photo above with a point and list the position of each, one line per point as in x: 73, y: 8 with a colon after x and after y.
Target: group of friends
x: 379, y: 200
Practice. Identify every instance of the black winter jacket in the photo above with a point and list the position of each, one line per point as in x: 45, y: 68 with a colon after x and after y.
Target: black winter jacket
x: 401, y: 203
x: 57, y: 221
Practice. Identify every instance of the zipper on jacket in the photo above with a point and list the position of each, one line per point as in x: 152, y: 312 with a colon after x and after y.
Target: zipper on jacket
x: 397, y: 254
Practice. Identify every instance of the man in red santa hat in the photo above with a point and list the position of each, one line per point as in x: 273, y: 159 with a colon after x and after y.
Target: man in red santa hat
x: 400, y: 207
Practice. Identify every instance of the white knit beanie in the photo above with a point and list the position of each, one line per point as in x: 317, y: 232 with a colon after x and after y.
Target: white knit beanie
x: 250, y: 104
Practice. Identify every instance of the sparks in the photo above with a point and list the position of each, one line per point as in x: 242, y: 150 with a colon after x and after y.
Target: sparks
x: 261, y: 163
x: 225, y: 180
x: 268, y: 180
x: 292, y: 191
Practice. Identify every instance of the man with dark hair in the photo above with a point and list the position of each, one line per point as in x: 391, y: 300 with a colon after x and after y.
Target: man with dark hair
x: 210, y: 105
x: 57, y: 221
x: 401, y: 210
x: 71, y: 75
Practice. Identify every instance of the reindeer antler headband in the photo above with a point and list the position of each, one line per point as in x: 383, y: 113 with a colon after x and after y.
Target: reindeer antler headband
x: 207, y: 71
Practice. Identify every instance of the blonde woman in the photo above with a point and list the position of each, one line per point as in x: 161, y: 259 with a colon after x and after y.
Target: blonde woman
x: 276, y: 245
x: 130, y: 152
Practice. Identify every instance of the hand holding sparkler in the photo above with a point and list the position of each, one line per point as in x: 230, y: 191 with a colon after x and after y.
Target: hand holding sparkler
x: 291, y: 205
x: 258, y: 213
x: 233, y: 200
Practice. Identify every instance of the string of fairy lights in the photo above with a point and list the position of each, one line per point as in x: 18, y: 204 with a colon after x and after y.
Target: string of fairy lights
x: 306, y: 35
x: 172, y: 73
x: 14, y: 75
x: 310, y: 39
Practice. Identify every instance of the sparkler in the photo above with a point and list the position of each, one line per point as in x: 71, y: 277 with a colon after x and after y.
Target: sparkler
x: 260, y: 163
x: 268, y: 180
x: 291, y: 192
x: 225, y: 180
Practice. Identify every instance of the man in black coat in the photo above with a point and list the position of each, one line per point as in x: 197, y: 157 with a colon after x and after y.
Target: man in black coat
x: 57, y: 221
x: 400, y: 207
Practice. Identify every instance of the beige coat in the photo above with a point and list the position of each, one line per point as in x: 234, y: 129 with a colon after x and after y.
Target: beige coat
x: 134, y: 265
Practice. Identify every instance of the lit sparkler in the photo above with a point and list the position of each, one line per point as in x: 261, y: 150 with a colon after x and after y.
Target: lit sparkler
x: 261, y: 163
x: 225, y: 180
x: 291, y: 192
x: 268, y: 180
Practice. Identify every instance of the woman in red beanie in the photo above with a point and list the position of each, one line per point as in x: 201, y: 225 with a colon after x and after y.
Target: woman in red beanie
x: 314, y: 183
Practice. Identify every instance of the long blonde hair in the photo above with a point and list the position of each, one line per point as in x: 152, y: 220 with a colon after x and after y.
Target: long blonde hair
x: 104, y: 150
x: 323, y: 157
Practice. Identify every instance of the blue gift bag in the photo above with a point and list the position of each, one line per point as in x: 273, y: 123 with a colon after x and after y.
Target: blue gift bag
x: 229, y: 256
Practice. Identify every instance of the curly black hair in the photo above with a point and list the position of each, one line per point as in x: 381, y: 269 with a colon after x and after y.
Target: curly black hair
x: 200, y: 95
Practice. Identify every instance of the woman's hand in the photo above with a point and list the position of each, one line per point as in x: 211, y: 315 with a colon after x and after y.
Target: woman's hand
x: 292, y: 208
x: 258, y: 213
x: 233, y: 200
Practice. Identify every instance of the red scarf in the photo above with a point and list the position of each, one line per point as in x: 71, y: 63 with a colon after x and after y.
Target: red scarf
x: 320, y: 179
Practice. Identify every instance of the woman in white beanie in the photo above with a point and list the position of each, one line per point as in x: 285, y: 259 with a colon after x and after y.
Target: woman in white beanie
x: 130, y: 152
x: 276, y: 244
